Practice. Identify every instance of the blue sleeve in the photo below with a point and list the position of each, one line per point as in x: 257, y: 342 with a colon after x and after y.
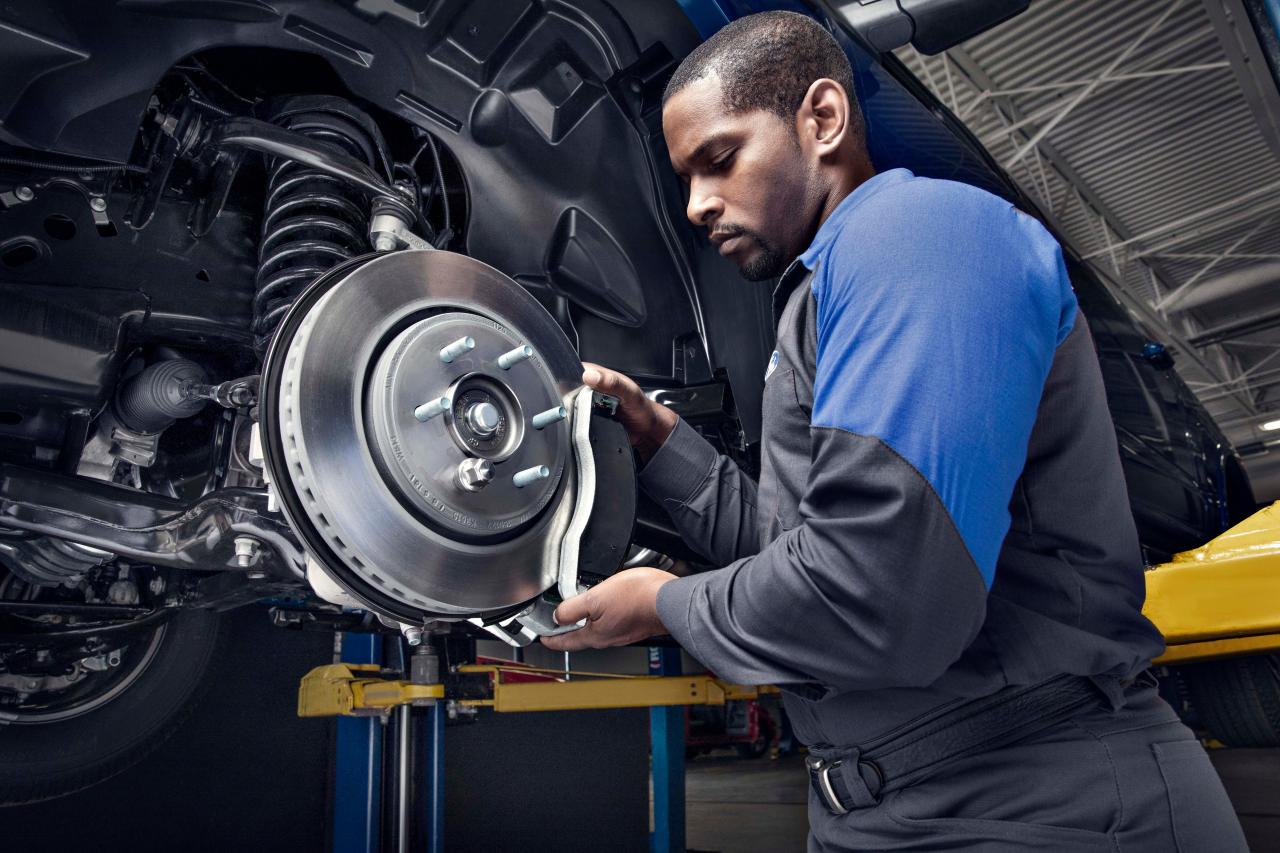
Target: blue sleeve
x: 935, y: 334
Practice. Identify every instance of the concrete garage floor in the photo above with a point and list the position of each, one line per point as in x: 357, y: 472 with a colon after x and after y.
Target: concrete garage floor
x: 1252, y: 777
x: 737, y: 806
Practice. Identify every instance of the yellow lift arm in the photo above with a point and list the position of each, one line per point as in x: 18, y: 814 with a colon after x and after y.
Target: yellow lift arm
x: 336, y: 689
x: 1223, y: 598
x: 639, y: 691
x: 1219, y: 600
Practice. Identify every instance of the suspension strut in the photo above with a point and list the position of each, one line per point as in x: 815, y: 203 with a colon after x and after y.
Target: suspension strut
x: 313, y: 219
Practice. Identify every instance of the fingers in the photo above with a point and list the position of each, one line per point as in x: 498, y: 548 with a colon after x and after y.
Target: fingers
x: 621, y: 609
x: 573, y: 641
x: 589, y: 636
x: 592, y: 375
x: 611, y: 382
x: 586, y: 606
x: 574, y: 609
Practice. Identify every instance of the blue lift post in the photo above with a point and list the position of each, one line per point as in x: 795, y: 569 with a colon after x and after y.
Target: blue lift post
x: 666, y: 749
x: 357, y: 785
x: 434, y: 767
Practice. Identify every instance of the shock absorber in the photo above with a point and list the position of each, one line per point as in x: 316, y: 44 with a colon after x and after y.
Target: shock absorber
x: 312, y: 219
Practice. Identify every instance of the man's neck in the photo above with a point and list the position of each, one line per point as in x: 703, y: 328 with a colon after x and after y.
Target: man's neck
x: 848, y: 181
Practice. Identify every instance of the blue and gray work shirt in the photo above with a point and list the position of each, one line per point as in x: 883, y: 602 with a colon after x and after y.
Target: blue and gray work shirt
x: 941, y: 510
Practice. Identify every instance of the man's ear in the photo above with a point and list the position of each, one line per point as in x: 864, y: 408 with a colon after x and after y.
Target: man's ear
x: 822, y: 122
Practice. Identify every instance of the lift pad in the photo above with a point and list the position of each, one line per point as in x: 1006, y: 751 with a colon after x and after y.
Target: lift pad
x: 339, y: 688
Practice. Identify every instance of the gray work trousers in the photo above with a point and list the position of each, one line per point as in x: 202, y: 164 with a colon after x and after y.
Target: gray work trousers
x: 1133, y: 780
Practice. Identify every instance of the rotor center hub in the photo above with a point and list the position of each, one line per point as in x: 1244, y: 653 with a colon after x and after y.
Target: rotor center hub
x: 482, y: 418
x: 477, y: 410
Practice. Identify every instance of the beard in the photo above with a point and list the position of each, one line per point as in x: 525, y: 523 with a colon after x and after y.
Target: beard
x: 767, y: 262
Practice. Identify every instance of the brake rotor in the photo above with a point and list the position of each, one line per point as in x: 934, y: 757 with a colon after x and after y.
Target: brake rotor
x: 414, y: 433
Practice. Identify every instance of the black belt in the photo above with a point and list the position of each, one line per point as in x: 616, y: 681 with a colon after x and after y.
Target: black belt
x: 858, y: 778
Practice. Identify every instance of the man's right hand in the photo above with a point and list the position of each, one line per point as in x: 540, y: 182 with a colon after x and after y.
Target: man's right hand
x: 647, y: 423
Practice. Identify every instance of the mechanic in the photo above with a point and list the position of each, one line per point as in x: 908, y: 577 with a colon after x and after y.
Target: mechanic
x: 939, y: 565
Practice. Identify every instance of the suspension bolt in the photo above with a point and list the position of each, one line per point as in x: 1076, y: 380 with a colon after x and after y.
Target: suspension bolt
x: 427, y: 411
x: 247, y: 549
x: 508, y: 359
x: 24, y: 193
x: 549, y: 417
x: 457, y: 348
x: 531, y: 475
x: 413, y: 634
x: 98, y: 204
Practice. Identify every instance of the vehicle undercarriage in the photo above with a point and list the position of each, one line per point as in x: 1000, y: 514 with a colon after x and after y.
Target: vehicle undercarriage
x: 260, y: 347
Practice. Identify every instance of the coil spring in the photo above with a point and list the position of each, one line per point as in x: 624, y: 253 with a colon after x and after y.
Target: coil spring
x: 311, y: 220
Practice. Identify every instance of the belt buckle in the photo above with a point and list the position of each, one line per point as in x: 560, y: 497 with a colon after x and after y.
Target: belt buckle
x: 820, y: 771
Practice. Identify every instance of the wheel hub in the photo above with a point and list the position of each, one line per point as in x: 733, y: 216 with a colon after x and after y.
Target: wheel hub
x: 484, y: 419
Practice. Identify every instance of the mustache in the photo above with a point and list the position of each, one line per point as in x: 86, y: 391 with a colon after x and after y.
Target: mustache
x: 730, y: 231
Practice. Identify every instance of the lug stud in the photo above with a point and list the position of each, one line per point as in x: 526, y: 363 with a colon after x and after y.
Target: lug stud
x: 427, y: 411
x: 515, y: 356
x: 531, y: 475
x: 459, y: 347
x: 549, y: 417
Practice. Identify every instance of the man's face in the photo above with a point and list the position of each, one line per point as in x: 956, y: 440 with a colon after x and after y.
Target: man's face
x: 749, y: 183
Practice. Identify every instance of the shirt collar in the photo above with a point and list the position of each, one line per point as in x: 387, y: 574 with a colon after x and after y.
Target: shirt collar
x: 787, y: 283
x: 834, y: 223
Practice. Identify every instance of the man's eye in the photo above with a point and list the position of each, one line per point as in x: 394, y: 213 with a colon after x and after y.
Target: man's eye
x: 721, y: 163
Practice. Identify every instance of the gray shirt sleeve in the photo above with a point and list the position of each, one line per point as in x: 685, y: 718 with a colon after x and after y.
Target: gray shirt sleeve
x: 709, y: 498
x: 873, y: 589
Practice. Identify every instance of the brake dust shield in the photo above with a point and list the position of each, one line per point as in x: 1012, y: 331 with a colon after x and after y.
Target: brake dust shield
x: 419, y: 431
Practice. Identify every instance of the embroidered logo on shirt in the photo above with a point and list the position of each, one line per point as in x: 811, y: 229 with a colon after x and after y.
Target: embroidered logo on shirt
x: 773, y: 365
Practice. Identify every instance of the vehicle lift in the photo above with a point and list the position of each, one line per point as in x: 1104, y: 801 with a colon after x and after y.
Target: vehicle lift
x: 1219, y: 600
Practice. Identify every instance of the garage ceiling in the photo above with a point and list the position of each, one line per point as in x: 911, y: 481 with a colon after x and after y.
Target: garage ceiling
x: 1149, y: 132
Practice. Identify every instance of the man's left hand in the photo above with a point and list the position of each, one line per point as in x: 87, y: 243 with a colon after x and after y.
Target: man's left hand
x: 620, y: 610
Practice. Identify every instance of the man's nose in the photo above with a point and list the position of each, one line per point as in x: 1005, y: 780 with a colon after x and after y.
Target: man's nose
x: 704, y: 207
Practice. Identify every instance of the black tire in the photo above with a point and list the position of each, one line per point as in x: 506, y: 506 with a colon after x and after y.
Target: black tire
x: 40, y: 760
x: 1238, y: 699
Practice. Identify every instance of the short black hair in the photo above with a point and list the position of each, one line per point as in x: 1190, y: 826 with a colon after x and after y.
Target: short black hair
x: 768, y: 61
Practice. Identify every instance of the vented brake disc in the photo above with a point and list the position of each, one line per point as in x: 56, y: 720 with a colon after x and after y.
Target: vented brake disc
x: 417, y: 422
